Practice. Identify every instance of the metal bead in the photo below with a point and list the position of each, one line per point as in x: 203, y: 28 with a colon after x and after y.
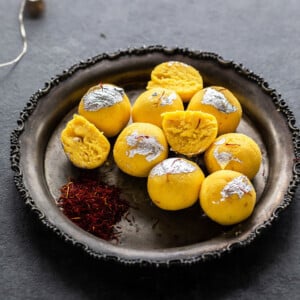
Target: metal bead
x: 34, y: 8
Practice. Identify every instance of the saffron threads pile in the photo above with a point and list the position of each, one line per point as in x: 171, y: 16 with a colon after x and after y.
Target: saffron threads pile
x: 93, y: 205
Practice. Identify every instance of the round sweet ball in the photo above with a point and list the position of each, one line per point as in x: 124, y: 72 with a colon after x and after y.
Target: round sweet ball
x: 139, y: 147
x: 177, y: 76
x: 221, y: 103
x: 149, y: 106
x: 189, y: 132
x: 227, y: 197
x: 174, y: 183
x: 107, y: 107
x: 234, y: 151
x: 84, y: 144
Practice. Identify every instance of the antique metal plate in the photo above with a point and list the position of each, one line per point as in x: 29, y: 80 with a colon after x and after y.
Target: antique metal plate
x: 148, y: 234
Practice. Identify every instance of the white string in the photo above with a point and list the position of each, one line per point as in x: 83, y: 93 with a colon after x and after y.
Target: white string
x: 23, y: 35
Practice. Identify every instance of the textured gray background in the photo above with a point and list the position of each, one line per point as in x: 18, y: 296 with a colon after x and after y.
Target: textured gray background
x: 262, y: 35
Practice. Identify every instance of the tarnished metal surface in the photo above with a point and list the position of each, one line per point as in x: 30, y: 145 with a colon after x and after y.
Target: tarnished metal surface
x: 152, y: 235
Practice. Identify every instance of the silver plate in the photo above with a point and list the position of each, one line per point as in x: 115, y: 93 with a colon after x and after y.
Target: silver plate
x: 148, y: 234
